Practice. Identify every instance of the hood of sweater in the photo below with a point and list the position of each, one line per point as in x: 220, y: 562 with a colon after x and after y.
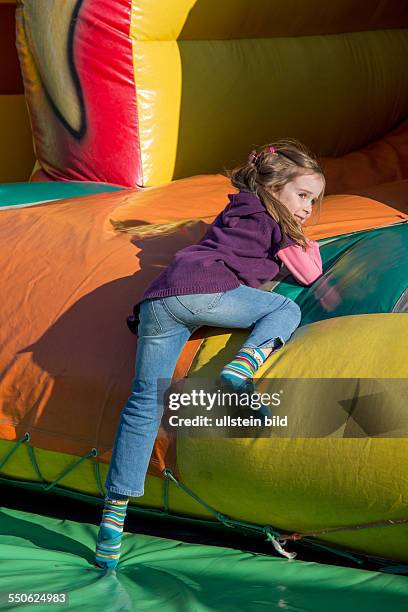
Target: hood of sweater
x: 244, y: 203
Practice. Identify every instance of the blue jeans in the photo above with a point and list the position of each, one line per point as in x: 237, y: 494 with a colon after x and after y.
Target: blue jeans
x: 164, y: 328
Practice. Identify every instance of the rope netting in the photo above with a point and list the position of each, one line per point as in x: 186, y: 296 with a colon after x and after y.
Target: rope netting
x: 270, y: 533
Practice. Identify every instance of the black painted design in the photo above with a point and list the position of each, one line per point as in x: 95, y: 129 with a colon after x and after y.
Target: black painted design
x: 77, y: 133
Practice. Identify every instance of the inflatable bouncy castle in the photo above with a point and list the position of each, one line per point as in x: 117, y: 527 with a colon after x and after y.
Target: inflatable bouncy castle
x: 136, y: 109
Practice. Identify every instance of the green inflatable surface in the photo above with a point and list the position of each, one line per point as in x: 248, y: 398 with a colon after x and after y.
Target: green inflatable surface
x: 28, y: 194
x: 40, y: 554
x: 364, y: 272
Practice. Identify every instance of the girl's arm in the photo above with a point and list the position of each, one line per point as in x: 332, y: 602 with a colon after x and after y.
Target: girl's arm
x: 306, y: 266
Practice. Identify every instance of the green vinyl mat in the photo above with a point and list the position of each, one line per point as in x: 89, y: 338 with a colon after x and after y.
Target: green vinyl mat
x: 44, y: 555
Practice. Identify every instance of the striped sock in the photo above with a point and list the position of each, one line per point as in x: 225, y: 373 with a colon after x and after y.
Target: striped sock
x: 238, y: 373
x: 110, y: 532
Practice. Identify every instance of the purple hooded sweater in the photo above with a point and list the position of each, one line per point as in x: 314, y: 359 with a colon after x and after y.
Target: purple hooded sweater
x: 239, y: 247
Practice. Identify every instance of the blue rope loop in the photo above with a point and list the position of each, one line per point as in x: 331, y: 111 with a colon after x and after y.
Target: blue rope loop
x: 271, y: 534
x: 225, y: 520
x: 168, y: 473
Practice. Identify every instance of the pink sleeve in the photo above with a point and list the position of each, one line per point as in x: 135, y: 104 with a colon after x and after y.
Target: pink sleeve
x: 306, y: 266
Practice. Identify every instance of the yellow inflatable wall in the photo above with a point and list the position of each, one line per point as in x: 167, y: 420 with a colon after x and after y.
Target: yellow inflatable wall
x: 135, y: 95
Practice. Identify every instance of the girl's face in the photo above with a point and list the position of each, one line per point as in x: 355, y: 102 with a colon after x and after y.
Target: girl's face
x: 300, y: 194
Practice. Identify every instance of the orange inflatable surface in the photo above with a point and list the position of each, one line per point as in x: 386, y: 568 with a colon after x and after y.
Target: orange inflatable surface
x: 70, y: 278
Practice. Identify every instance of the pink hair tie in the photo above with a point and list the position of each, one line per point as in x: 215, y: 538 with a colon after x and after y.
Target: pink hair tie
x: 272, y: 150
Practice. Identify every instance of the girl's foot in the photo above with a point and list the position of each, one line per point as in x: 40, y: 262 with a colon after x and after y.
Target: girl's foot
x: 110, y: 533
x: 238, y: 373
x: 244, y: 387
x: 239, y: 387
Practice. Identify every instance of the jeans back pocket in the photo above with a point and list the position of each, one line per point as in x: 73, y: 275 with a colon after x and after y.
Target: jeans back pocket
x: 200, y: 302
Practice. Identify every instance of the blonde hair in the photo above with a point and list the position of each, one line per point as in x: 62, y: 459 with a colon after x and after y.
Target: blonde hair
x: 267, y: 170
x: 151, y: 230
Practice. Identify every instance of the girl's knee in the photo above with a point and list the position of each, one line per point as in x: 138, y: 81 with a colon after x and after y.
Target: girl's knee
x: 293, y: 311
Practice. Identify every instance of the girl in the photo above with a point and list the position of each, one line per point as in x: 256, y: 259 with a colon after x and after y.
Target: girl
x: 216, y: 282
